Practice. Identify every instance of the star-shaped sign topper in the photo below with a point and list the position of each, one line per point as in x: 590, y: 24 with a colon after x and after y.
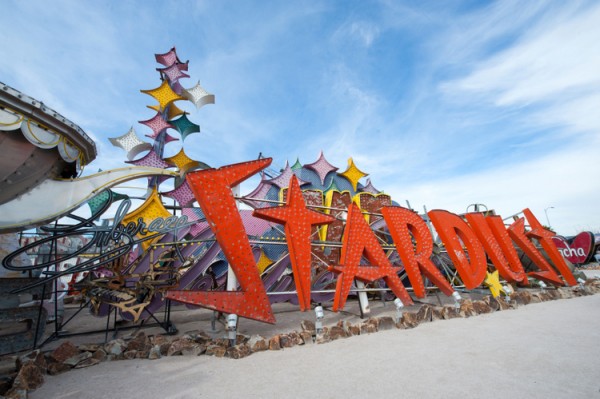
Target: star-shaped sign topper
x: 353, y: 174
x: 298, y: 221
x: 321, y: 167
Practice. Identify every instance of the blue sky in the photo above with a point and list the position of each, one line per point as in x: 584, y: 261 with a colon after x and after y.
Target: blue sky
x: 444, y: 104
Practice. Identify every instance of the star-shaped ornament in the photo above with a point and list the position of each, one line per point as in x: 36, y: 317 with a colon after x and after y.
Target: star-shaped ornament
x: 131, y: 143
x: 353, y: 174
x: 157, y: 123
x: 164, y: 95
x: 198, y: 96
x: 184, y: 126
x: 167, y: 59
x: 369, y: 188
x: 321, y: 167
x: 173, y: 73
x: 492, y: 281
x: 182, y: 162
x: 283, y: 179
x: 298, y: 221
x: 150, y: 159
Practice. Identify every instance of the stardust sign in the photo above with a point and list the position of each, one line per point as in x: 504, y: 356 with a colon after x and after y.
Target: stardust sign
x: 467, y: 244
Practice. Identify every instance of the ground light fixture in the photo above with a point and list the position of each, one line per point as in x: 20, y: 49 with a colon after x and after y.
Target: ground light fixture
x: 457, y: 299
x: 232, y: 320
x: 542, y: 285
x: 399, y: 306
x: 319, y: 314
x: 508, y: 290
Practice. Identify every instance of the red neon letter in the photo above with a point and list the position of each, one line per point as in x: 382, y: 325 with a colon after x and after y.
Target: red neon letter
x: 212, y: 189
x: 492, y: 234
x: 452, y: 230
x: 297, y: 220
x: 403, y: 222
x: 547, y: 273
x: 359, y: 239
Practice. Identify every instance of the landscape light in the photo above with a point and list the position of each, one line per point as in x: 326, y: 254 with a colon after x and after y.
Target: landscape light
x: 399, y: 306
x: 232, y: 320
x: 319, y: 314
x: 457, y: 299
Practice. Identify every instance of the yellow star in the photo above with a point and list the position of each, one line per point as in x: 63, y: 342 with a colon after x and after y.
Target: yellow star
x: 182, y: 161
x: 492, y: 281
x: 164, y: 95
x: 263, y: 262
x: 353, y: 174
x: 173, y: 110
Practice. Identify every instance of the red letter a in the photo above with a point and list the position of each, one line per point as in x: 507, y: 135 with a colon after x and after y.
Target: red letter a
x: 359, y: 239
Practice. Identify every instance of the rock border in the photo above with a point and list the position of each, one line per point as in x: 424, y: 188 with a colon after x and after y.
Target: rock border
x: 30, y: 368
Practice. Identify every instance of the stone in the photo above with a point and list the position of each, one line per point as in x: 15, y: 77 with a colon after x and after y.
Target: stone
x: 129, y: 355
x: 99, y: 355
x: 36, y: 356
x: 57, y: 368
x: 466, y: 308
x: 216, y: 350
x: 275, y: 343
x: 499, y: 303
x: 159, y: 340
x: 16, y: 393
x: 308, y: 325
x: 353, y: 329
x: 6, y: 382
x: 408, y: 320
x: 450, y: 312
x: 30, y: 377
x: 307, y: 338
x: 285, y: 341
x: 164, y: 348
x: 241, y: 339
x: 481, y: 307
x: 437, y: 313
x: 87, y: 363
x: 89, y: 347
x: 369, y: 326
x: 193, y: 350
x: 178, y: 345
x: 294, y: 339
x: 323, y: 337
x: 337, y: 332
x: 525, y: 297
x: 115, y: 347
x: 424, y: 314
x: 64, y: 351
x: 385, y: 323
x: 155, y: 353
x: 238, y: 351
x: 73, y: 361
x: 139, y: 343
x: 257, y: 343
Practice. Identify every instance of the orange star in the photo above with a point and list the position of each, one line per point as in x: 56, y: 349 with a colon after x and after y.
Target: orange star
x: 297, y: 220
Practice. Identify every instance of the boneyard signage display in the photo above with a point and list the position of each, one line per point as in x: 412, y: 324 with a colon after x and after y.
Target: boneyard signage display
x: 310, y: 228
